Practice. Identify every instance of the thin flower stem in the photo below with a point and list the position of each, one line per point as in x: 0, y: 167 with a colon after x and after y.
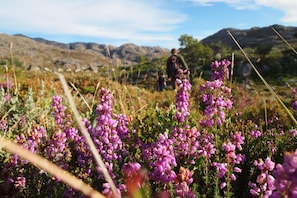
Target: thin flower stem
x: 95, y: 93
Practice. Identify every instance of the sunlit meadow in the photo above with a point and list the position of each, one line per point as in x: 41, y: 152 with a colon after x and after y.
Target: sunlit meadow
x: 212, y: 139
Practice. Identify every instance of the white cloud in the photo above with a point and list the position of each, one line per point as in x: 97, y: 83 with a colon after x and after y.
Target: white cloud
x: 288, y: 7
x: 119, y: 19
x: 238, y: 4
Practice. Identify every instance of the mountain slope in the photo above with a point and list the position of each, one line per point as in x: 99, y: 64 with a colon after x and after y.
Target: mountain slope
x: 254, y: 37
x: 42, y: 54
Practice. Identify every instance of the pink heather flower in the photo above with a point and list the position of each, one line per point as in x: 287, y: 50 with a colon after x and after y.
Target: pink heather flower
x: 268, y: 164
x: 285, y: 176
x: 20, y: 182
x: 233, y: 177
x: 182, y: 100
x: 237, y: 170
x: 7, y: 97
x: 238, y: 140
x: 221, y: 169
x: 162, y: 160
x: 261, y: 178
x: 256, y: 132
x: 182, y: 182
x: 265, y: 182
x: 229, y: 147
x: 223, y: 185
x: 255, y: 191
x: 281, y: 132
x: 220, y: 69
x: 3, y: 124
x: 291, y: 161
x: 293, y: 132
x: 215, y: 99
x: 270, y: 182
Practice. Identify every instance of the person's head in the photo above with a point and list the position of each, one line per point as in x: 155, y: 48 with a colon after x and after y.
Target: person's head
x: 173, y: 51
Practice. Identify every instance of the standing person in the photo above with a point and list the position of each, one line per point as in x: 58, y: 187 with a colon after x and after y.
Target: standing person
x: 162, y: 81
x: 175, y: 66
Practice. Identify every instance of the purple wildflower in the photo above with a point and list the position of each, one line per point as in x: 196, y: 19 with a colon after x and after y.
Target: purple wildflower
x: 182, y: 100
x: 264, y: 185
x: 215, y: 100
x: 162, y: 160
x: 220, y: 69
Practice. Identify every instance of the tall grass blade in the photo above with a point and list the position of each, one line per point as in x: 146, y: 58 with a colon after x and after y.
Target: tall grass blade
x: 263, y: 80
x: 83, y: 98
x: 13, y: 69
x: 287, y: 43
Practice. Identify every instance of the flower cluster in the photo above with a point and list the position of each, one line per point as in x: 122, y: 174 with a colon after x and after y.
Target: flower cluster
x: 186, y: 142
x: 220, y: 70
x: 232, y: 159
x: 255, y: 133
x: 183, y: 180
x: 58, y: 145
x: 32, y: 142
x: 182, y: 100
x: 286, y: 177
x: 215, y: 99
x: 122, y: 126
x: 3, y: 124
x: 206, y: 146
x: 264, y: 185
x: 162, y: 160
x: 106, y: 134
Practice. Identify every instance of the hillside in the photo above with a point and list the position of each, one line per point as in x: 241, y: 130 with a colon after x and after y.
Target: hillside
x: 41, y: 54
x: 254, y: 37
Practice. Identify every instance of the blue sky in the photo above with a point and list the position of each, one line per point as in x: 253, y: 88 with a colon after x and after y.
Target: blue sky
x: 142, y: 22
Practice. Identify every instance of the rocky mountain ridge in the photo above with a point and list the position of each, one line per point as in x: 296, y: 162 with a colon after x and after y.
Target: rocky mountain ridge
x: 41, y: 54
x: 255, y: 36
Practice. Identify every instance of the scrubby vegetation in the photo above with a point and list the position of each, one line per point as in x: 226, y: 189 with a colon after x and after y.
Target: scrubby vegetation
x: 211, y: 138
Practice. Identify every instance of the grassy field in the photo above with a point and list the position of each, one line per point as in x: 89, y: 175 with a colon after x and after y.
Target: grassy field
x: 136, y: 130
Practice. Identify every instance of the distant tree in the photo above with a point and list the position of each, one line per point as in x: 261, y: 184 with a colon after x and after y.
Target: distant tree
x: 288, y: 62
x: 263, y: 50
x: 220, y: 50
x: 250, y: 52
x: 143, y: 59
x: 195, y: 53
x: 186, y: 40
